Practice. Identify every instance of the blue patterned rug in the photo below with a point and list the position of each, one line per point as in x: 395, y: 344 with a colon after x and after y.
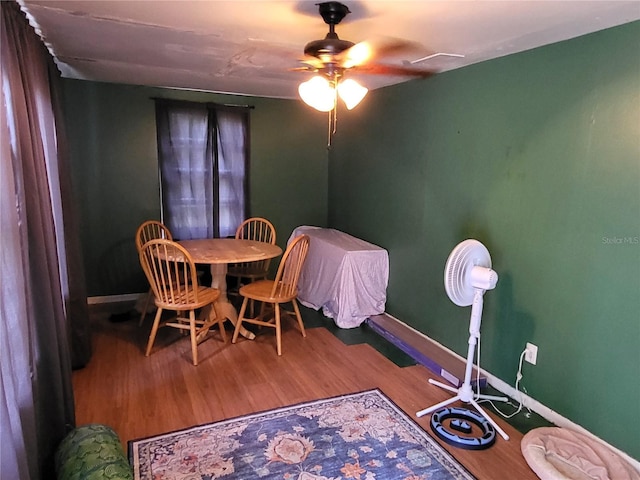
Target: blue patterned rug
x: 359, y: 436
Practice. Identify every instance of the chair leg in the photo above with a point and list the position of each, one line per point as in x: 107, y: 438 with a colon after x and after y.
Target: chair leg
x: 194, y: 341
x: 299, y: 317
x: 143, y: 315
x: 240, y: 318
x: 278, y: 331
x: 223, y: 332
x: 154, y: 331
x: 209, y: 316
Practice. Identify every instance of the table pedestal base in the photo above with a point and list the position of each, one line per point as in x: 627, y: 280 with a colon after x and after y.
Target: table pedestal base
x: 223, y: 307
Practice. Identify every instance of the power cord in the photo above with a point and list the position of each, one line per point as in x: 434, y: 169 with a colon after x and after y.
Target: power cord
x: 517, y: 387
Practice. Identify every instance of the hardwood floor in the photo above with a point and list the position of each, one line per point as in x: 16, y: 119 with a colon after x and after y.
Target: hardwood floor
x: 140, y: 396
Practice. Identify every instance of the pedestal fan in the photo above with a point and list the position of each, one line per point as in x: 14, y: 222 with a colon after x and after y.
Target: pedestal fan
x: 467, y: 275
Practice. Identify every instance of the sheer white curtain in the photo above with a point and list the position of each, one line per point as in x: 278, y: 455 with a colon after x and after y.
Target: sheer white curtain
x: 18, y: 420
x: 233, y: 151
x: 203, y: 151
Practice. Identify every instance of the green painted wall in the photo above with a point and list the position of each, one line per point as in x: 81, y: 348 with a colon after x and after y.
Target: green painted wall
x: 114, y: 160
x: 537, y: 155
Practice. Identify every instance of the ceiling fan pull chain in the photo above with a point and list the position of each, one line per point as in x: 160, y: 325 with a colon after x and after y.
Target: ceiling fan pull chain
x: 335, y: 114
x: 333, y: 118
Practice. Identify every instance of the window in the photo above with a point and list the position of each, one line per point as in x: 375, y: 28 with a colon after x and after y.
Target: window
x: 203, y: 154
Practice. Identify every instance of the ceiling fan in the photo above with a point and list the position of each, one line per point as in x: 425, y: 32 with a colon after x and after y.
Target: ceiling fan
x: 332, y: 57
x: 334, y: 54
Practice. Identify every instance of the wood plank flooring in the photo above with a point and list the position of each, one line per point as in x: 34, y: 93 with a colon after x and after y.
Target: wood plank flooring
x: 141, y: 396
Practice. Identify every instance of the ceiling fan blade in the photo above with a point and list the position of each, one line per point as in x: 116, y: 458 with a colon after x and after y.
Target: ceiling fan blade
x: 315, y: 62
x: 308, y: 68
x: 392, y: 70
x: 374, y: 49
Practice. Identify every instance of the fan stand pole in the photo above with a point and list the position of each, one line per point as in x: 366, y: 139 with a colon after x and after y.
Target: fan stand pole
x: 465, y: 393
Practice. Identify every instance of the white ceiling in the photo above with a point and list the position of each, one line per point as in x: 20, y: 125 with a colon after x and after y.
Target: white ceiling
x: 249, y: 46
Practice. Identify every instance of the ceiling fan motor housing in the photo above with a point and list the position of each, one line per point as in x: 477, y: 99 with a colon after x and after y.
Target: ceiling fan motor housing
x: 332, y: 13
x: 326, y: 46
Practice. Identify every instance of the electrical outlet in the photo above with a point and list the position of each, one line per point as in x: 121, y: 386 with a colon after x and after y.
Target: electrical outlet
x: 531, y: 353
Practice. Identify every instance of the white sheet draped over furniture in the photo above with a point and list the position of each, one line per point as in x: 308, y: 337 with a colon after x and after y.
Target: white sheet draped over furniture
x: 345, y: 276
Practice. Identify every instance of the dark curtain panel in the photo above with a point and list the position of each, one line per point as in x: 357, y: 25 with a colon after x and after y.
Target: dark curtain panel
x: 39, y: 283
x: 203, y: 152
x: 73, y: 279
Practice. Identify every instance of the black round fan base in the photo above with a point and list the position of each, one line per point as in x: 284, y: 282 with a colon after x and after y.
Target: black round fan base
x: 463, y: 428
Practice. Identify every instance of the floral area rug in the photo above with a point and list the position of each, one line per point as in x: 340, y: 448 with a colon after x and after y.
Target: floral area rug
x: 359, y: 436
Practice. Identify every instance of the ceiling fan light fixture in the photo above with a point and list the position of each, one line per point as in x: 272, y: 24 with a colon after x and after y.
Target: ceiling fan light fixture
x: 318, y: 93
x: 351, y: 92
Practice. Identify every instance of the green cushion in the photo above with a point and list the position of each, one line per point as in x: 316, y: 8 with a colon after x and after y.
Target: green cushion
x: 92, y: 452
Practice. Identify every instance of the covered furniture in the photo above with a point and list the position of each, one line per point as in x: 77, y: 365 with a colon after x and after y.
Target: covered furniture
x: 345, y: 276
x: 92, y: 452
x: 173, y: 278
x: 283, y: 289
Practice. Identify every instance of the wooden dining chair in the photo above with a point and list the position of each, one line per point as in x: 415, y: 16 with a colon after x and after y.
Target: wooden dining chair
x: 260, y: 230
x: 173, y: 278
x: 273, y: 293
x: 150, y: 230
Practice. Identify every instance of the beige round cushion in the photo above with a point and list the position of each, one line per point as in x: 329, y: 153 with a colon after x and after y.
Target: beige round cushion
x: 555, y: 453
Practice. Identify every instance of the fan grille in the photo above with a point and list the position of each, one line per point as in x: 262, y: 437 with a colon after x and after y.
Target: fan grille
x: 457, y: 271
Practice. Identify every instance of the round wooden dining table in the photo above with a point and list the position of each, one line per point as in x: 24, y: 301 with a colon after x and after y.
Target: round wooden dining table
x: 219, y: 252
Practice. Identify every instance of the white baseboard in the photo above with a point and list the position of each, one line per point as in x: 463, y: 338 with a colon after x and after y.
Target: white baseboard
x: 129, y: 297
x: 553, y: 416
x: 542, y: 410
